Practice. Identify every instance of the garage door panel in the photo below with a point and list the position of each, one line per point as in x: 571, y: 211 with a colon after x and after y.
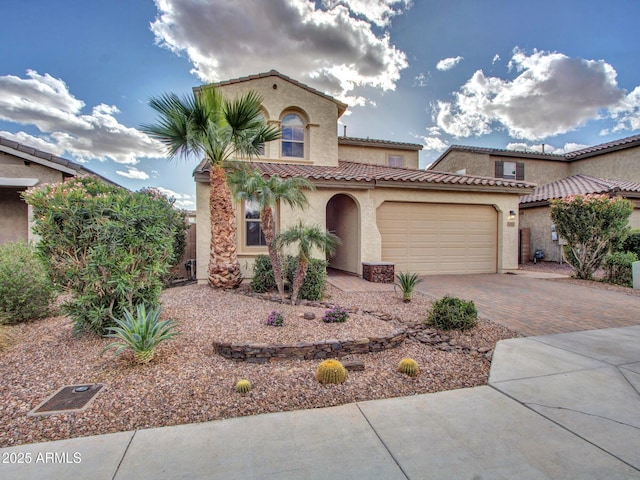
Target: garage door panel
x: 439, y: 238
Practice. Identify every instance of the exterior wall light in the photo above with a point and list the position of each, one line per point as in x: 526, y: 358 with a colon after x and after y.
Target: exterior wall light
x: 512, y: 216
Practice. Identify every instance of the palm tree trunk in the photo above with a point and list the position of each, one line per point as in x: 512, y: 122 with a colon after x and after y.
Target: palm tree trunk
x: 301, y: 273
x: 224, y: 267
x: 267, y: 225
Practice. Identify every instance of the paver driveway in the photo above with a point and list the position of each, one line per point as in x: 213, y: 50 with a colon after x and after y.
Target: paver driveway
x: 534, y: 306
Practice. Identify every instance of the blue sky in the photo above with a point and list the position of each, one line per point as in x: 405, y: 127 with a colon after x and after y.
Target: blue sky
x: 75, y: 76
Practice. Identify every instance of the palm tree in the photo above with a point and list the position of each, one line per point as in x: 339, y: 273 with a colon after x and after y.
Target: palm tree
x: 220, y: 129
x: 249, y: 184
x: 307, y: 238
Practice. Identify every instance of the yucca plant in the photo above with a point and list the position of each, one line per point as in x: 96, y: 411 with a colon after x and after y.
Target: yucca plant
x: 407, y: 283
x: 140, y: 333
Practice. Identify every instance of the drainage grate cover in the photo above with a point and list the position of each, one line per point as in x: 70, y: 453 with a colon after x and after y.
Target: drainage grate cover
x: 72, y: 398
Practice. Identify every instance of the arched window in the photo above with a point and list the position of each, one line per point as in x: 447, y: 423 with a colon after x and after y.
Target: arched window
x: 292, y: 136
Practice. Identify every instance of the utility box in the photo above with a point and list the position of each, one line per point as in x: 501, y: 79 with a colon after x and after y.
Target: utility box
x: 635, y: 271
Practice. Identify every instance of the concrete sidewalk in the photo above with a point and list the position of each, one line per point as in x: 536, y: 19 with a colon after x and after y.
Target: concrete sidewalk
x: 557, y: 407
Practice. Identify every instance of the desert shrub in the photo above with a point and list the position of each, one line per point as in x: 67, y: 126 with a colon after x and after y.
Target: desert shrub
x: 451, y: 313
x: 618, y: 268
x: 335, y: 315
x: 109, y: 247
x: 631, y: 243
x: 315, y: 282
x: 263, y: 279
x: 141, y: 333
x: 275, y: 319
x: 407, y: 283
x: 592, y: 225
x: 25, y: 288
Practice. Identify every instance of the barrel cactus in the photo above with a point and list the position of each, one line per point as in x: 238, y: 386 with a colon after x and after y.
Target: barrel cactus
x: 408, y: 366
x: 243, y: 386
x: 331, y: 371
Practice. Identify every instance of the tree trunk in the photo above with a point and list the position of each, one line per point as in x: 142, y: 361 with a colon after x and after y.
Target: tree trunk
x: 224, y: 267
x: 267, y: 225
x: 301, y: 272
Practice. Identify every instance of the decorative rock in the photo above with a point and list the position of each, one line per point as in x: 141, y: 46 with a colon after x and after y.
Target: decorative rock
x: 353, y: 365
x: 309, y: 315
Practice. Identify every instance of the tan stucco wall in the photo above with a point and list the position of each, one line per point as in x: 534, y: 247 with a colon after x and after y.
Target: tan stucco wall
x: 368, y: 200
x: 13, y: 167
x: 320, y: 113
x: 376, y: 155
x: 15, y: 213
x: 618, y: 165
x: 14, y: 216
x: 538, y: 219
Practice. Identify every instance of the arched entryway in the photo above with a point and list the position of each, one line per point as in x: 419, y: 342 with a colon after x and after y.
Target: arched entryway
x: 343, y: 219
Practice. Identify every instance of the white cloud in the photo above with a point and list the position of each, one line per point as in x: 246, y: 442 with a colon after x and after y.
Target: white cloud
x: 627, y: 116
x: 496, y: 58
x: 524, y: 147
x: 46, y: 103
x: 379, y: 12
x: 552, y: 94
x: 448, y: 63
x: 182, y: 200
x: 134, y: 174
x: 421, y: 79
x: 329, y: 46
x: 434, y: 143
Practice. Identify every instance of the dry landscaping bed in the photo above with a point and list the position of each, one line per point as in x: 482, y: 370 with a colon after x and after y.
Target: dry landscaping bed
x: 187, y: 382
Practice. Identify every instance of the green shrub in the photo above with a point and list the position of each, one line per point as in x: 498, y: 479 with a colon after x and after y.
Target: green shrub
x: 25, y: 288
x: 315, y: 283
x: 632, y: 243
x: 263, y: 279
x: 451, y: 313
x: 109, y: 247
x: 618, y: 268
x: 141, y: 333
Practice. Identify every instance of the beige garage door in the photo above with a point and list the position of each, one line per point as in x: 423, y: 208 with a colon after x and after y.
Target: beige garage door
x: 432, y: 238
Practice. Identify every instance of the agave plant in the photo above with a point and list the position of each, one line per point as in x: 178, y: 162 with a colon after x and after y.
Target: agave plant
x: 140, y: 333
x: 407, y: 283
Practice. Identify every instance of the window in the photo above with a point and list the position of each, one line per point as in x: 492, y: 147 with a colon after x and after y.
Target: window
x: 395, y: 160
x: 292, y: 136
x: 509, y: 170
x: 253, y: 233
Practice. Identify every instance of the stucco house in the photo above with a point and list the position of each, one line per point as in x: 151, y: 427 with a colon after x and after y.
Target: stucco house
x: 22, y: 167
x: 371, y: 193
x: 611, y: 168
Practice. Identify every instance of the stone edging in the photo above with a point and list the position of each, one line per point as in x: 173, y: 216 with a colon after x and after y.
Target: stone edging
x: 263, y: 353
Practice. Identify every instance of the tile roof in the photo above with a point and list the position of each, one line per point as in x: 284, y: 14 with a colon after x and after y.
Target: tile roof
x: 498, y: 151
x: 604, y: 147
x: 578, y: 185
x: 379, y: 174
x: 274, y: 73
x: 372, y: 142
x: 62, y: 164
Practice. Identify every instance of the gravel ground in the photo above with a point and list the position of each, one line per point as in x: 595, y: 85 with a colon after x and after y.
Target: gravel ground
x: 187, y: 383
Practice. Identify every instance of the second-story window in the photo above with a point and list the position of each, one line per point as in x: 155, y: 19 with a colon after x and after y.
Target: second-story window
x: 292, y: 136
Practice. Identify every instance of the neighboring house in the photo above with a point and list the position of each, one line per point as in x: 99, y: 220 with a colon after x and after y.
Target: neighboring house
x: 369, y: 192
x: 612, y: 168
x: 22, y: 167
